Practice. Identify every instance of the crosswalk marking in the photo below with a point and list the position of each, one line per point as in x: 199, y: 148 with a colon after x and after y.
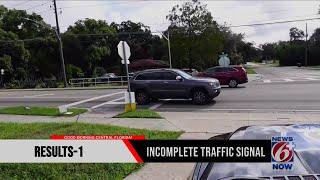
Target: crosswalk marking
x: 109, y: 102
x: 311, y: 79
x: 88, y: 100
x: 288, y: 80
x: 299, y: 79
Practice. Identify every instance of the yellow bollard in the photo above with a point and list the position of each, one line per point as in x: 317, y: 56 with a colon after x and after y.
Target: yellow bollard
x: 130, y: 106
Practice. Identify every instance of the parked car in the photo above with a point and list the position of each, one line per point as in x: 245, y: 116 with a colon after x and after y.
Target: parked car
x: 173, y: 84
x: 232, y: 75
x: 192, y: 72
x: 109, y: 77
x: 306, y: 155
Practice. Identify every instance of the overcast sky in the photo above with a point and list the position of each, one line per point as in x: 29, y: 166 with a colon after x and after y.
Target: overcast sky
x: 153, y: 14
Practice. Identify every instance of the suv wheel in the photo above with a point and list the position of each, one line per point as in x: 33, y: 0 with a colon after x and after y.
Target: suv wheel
x: 142, y: 97
x: 233, y: 83
x: 200, y: 97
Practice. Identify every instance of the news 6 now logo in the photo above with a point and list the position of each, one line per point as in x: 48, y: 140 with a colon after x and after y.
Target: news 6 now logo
x: 282, y: 153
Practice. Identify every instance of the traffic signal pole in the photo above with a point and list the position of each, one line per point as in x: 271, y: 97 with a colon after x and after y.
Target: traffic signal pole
x: 306, y: 48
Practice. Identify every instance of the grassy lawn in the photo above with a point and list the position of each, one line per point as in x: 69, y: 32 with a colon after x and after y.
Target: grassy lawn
x: 40, y: 111
x: 250, y: 70
x: 70, y: 171
x: 142, y: 113
x: 314, y: 67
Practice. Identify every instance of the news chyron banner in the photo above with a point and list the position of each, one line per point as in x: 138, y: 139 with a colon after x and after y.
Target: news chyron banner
x: 131, y: 149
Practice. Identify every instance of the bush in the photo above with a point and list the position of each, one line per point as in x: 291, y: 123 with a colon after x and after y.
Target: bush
x: 98, y: 71
x: 73, y: 71
x: 291, y: 54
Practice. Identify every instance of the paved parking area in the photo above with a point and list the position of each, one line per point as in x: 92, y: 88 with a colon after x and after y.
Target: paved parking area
x: 287, y: 74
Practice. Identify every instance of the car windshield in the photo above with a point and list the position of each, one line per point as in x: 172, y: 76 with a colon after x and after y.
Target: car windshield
x: 183, y: 74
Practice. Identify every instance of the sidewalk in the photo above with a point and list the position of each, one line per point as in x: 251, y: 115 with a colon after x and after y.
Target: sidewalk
x: 152, y: 124
x: 189, y: 122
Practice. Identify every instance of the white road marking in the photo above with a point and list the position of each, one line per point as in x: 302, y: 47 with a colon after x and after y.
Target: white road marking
x: 55, y: 97
x: 275, y: 110
x: 109, y: 102
x: 90, y: 99
x: 312, y: 79
x: 160, y: 104
x: 288, y: 80
x: 38, y: 95
x: 267, y: 81
x: 155, y: 106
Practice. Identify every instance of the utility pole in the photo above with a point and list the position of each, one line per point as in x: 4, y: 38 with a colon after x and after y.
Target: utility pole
x: 306, y: 48
x: 169, y: 48
x: 60, y: 45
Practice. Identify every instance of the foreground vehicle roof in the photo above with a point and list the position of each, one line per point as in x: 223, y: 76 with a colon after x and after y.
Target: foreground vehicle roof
x: 306, y: 138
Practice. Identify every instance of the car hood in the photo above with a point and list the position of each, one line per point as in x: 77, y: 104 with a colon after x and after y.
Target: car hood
x: 306, y: 141
x: 204, y: 79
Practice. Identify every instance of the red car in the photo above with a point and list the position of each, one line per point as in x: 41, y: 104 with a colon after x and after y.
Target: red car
x: 232, y: 75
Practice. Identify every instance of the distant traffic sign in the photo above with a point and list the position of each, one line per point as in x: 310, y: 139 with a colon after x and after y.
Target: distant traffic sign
x: 224, y: 60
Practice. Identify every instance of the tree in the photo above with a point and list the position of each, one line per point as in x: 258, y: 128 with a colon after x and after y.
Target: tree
x: 139, y: 38
x: 196, y: 39
x: 88, y: 44
x: 248, y: 51
x: 14, y: 54
x: 268, y: 51
x: 295, y: 34
x: 315, y: 38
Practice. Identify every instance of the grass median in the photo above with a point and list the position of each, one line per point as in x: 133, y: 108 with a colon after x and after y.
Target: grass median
x: 142, y: 113
x: 40, y: 111
x: 250, y: 70
x: 70, y: 171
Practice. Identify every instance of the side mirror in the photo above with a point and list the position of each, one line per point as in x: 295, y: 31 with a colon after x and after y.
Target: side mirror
x: 179, y: 78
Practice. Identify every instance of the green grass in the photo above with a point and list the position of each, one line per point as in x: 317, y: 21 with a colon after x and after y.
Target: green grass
x: 70, y: 171
x: 250, y: 70
x: 40, y: 111
x: 314, y: 67
x: 143, y: 113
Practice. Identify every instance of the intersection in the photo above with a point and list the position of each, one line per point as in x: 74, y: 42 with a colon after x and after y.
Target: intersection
x: 280, y: 96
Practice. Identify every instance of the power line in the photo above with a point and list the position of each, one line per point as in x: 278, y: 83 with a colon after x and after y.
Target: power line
x: 39, y: 5
x: 95, y: 5
x: 23, y: 40
x: 278, y: 22
x: 43, y: 11
x: 153, y: 32
x: 21, y: 3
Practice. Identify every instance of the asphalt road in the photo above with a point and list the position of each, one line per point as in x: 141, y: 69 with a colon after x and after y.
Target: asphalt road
x: 292, y: 95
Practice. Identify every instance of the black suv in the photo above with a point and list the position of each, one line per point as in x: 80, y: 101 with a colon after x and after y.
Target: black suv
x: 173, y: 84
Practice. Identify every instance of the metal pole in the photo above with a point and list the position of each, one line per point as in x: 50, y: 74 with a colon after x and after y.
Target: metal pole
x: 306, y: 48
x: 60, y: 45
x: 169, y: 49
x: 127, y: 71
